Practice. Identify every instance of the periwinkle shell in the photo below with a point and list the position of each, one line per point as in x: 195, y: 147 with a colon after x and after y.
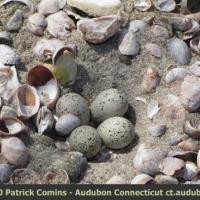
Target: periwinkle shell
x: 116, y: 132
x: 109, y: 103
x: 86, y: 140
x: 179, y: 51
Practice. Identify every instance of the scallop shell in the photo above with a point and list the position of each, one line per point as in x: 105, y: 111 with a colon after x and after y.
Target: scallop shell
x: 165, y: 5
x: 177, y: 74
x: 8, y: 83
x: 8, y: 56
x: 10, y: 126
x: 151, y: 80
x: 14, y: 150
x: 170, y: 165
x: 153, y: 49
x: 142, y: 5
x: 157, y: 130
x: 44, y: 120
x: 47, y: 7
x: 46, y: 85
x: 189, y: 145
x: 60, y: 25
x: 27, y: 101
x: 36, y: 24
x: 44, y: 48
x: 141, y: 179
x: 98, y: 30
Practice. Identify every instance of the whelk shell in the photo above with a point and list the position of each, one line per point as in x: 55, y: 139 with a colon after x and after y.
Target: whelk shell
x: 142, y: 179
x: 46, y: 85
x: 14, y: 150
x: 60, y: 25
x: 10, y: 126
x: 37, y: 24
x: 165, y: 5
x: 44, y: 120
x: 27, y: 100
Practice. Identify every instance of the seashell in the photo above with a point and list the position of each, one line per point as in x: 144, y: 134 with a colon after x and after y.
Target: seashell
x: 175, y: 139
x: 8, y: 111
x: 56, y: 177
x: 98, y: 30
x: 5, y: 173
x: 8, y: 83
x: 195, y: 44
x: 177, y: 74
x: 5, y: 37
x: 152, y: 109
x: 44, y: 49
x: 190, y: 33
x: 142, y: 5
x: 165, y: 5
x: 170, y: 165
x: 179, y: 51
x: 60, y: 21
x: 47, y: 7
x: 14, y: 150
x: 160, y: 32
x: 128, y: 44
x: 66, y: 124
x: 172, y: 108
x: 190, y: 130
x: 141, y: 99
x: 44, y: 120
x: 153, y: 49
x: 147, y: 159
x: 190, y: 171
x: 27, y: 101
x: 151, y: 80
x: 184, y: 155
x: 65, y: 67
x: 37, y: 24
x: 117, y: 180
x: 24, y: 176
x: 164, y: 179
x: 28, y: 3
x: 141, y: 179
x: 10, y: 126
x: 189, y: 145
x: 46, y: 85
x: 190, y: 93
x: 194, y: 16
x: 157, y: 130
x: 8, y: 56
x: 138, y: 26
x: 100, y: 8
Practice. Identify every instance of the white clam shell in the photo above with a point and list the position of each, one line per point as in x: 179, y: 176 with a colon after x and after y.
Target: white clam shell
x: 141, y: 179
x: 66, y: 124
x: 27, y: 101
x: 14, y: 150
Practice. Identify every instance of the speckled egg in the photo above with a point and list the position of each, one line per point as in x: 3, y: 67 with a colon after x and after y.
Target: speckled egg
x: 109, y: 103
x: 86, y: 140
x: 116, y: 132
x: 74, y: 104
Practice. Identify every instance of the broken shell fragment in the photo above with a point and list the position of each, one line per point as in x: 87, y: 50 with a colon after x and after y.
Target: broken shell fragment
x: 151, y: 80
x: 98, y: 30
x: 128, y: 44
x: 47, y: 7
x: 153, y: 49
x: 46, y: 85
x: 141, y: 179
x: 179, y: 51
x: 27, y: 101
x: 165, y: 5
x: 10, y: 126
x: 14, y: 150
x: 8, y: 56
x: 170, y: 165
x: 177, y: 74
x: 56, y: 177
x: 157, y: 130
x: 60, y: 25
x: 65, y: 67
x: 189, y: 145
x: 44, y: 120
x: 190, y: 130
x: 152, y: 109
x: 66, y: 124
x: 190, y: 93
x: 37, y: 24
x: 142, y: 5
